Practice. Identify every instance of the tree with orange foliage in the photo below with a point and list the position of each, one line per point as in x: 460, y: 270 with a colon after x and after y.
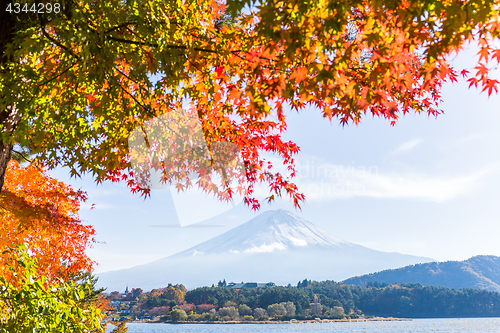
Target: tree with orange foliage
x: 44, y: 271
x: 42, y: 213
x: 176, y: 294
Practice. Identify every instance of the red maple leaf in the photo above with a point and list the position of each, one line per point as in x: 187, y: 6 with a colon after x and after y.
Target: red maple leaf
x: 473, y: 82
x: 219, y: 70
x: 491, y: 85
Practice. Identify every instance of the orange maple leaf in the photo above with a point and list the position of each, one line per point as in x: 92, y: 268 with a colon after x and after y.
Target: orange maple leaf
x: 299, y: 75
x: 484, y: 53
x: 496, y: 54
x: 481, y: 70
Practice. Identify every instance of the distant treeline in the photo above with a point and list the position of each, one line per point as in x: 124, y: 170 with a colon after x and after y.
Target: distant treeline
x: 415, y: 300
x: 398, y: 300
x: 329, y: 299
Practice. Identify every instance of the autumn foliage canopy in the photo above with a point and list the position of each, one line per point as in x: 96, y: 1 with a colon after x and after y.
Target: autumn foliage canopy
x: 86, y: 77
x: 78, y: 85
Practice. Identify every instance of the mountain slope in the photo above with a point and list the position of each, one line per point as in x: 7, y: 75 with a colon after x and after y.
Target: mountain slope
x: 274, y: 246
x: 480, y: 272
x: 271, y: 230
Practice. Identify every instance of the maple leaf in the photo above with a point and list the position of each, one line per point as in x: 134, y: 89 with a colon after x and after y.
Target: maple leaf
x: 482, y: 70
x: 484, y: 53
x: 234, y: 94
x: 91, y: 98
x: 496, y: 54
x: 473, y: 82
x: 490, y: 85
x: 219, y: 70
x: 299, y: 74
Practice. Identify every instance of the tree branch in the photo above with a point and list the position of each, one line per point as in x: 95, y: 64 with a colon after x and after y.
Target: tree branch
x: 22, y: 156
x: 58, y: 75
x: 125, y: 75
x: 181, y: 47
x: 58, y: 43
x: 53, y: 40
x: 117, y: 27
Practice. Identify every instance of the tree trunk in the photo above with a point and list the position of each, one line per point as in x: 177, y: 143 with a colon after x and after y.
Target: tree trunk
x: 5, y: 154
x: 10, y: 116
x: 9, y: 119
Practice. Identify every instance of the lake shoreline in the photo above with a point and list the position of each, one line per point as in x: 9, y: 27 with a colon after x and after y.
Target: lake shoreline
x: 359, y: 320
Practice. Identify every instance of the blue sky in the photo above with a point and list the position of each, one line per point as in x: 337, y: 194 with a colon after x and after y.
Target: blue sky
x: 427, y: 187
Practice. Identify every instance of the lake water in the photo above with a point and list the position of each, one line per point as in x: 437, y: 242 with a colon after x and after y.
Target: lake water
x: 463, y: 325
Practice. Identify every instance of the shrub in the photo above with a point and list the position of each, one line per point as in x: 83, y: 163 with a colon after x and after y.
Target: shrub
x: 178, y: 315
x: 289, y: 307
x: 231, y: 312
x: 337, y: 312
x: 276, y: 310
x: 158, y: 311
x: 208, y: 317
x: 316, y: 308
x: 202, y: 308
x: 186, y: 307
x: 259, y: 312
x: 244, y: 310
x: 194, y: 317
x: 248, y: 318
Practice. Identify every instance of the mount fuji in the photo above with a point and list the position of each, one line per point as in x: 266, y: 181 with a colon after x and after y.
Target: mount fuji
x: 274, y: 246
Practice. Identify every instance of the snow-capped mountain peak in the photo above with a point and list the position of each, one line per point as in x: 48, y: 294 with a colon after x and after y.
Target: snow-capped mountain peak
x: 271, y: 231
x: 274, y: 246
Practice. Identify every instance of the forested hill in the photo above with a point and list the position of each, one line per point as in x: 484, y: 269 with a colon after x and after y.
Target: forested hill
x: 479, y: 272
x: 312, y: 299
x: 411, y: 300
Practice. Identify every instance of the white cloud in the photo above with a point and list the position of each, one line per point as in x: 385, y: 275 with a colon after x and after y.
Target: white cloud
x: 438, y: 189
x: 365, y: 182
x: 298, y: 242
x: 406, y: 146
x: 323, y: 182
x: 266, y: 248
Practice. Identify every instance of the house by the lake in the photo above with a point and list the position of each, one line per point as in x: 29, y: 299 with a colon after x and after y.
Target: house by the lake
x: 244, y: 285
